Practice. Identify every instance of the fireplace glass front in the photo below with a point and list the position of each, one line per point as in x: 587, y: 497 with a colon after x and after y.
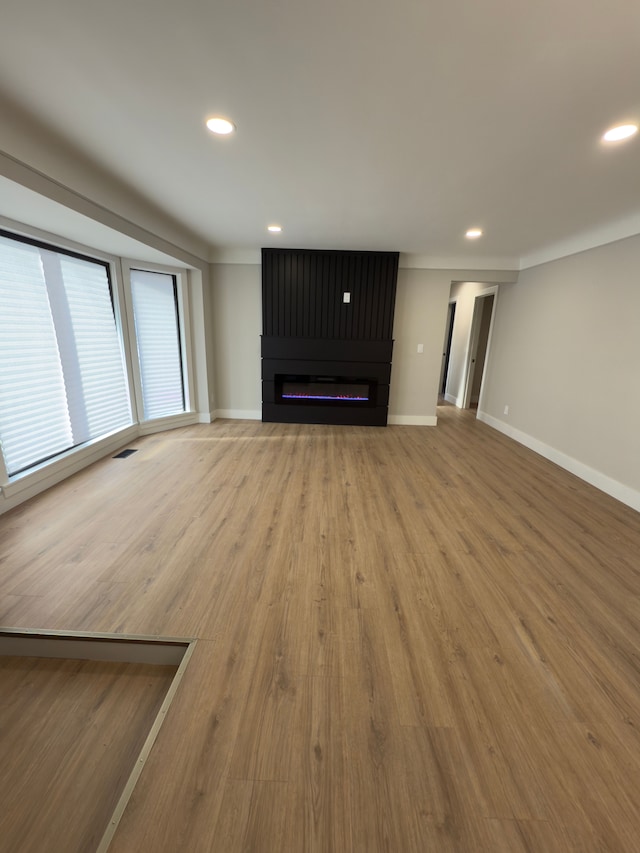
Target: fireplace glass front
x: 325, y: 390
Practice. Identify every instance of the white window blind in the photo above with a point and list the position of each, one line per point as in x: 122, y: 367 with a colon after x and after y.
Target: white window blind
x: 62, y: 378
x: 100, y: 402
x: 34, y: 421
x: 158, y: 337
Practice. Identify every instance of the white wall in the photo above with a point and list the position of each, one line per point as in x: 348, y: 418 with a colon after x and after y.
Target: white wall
x: 420, y: 318
x: 237, y: 326
x: 421, y: 307
x: 203, y: 359
x: 565, y: 358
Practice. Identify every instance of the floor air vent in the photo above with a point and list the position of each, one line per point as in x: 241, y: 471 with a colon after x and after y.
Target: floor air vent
x: 123, y: 454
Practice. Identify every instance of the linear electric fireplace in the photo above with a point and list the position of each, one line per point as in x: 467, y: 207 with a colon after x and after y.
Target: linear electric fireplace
x: 327, y: 321
x: 303, y: 390
x: 321, y: 382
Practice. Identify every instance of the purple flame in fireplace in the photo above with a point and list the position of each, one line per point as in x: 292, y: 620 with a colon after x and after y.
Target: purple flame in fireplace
x: 325, y: 388
x: 303, y: 396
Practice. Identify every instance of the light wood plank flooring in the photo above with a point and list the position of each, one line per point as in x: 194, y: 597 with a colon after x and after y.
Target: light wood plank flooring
x: 71, y: 731
x: 410, y: 639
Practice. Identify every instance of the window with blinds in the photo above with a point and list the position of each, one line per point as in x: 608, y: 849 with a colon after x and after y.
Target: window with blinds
x: 155, y: 311
x: 62, y: 374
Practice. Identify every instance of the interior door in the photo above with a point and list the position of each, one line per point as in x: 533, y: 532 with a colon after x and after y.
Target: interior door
x: 446, y: 348
x: 478, y: 347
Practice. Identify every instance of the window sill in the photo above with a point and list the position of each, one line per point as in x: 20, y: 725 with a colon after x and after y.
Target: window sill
x: 169, y: 422
x: 29, y: 483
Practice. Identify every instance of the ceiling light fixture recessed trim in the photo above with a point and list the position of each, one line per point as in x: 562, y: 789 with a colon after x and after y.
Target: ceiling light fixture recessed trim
x: 473, y: 233
x: 220, y: 125
x: 620, y: 132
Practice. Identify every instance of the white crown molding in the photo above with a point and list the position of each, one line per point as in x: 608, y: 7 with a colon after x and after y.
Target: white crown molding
x: 235, y: 256
x: 57, y: 207
x: 407, y: 260
x: 410, y: 261
x: 620, y: 229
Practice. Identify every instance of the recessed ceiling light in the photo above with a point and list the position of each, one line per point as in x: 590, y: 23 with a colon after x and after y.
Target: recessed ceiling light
x: 472, y: 233
x: 220, y: 125
x: 275, y: 229
x: 622, y: 131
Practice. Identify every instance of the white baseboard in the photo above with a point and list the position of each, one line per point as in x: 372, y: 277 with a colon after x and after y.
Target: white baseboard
x: 206, y: 417
x: 617, y: 490
x: 239, y: 414
x: 171, y: 422
x: 413, y: 420
x: 401, y: 420
x: 454, y: 400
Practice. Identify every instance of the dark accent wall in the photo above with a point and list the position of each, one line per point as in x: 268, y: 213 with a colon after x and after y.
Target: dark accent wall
x: 308, y: 328
x: 302, y: 294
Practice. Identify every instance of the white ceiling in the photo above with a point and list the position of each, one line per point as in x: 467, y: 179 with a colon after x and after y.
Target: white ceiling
x: 361, y: 124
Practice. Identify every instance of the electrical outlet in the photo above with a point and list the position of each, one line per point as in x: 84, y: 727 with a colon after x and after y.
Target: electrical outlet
x: 346, y: 296
x: 506, y: 410
x: 420, y: 347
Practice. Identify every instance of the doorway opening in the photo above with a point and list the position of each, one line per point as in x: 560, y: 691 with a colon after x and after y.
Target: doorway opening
x: 481, y: 326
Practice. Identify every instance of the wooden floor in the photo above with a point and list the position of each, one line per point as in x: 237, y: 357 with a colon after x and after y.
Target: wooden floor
x: 410, y: 639
x: 71, y: 733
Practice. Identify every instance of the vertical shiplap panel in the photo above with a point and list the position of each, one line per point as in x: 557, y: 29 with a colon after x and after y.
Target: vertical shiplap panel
x: 391, y: 296
x: 266, y: 307
x: 373, y: 290
x: 279, y: 287
x: 296, y: 297
x: 329, y: 267
x: 335, y: 286
x: 346, y: 283
x: 310, y: 294
x: 363, y: 288
x: 302, y: 294
x: 289, y: 293
x: 317, y: 309
x: 268, y: 301
x: 278, y: 316
x: 357, y: 305
x: 269, y: 289
x: 321, y: 299
x: 378, y: 306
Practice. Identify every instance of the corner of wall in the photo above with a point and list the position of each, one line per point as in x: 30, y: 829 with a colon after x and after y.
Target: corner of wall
x: 615, y: 489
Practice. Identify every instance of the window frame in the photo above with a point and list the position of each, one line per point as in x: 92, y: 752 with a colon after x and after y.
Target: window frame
x: 109, y: 270
x: 51, y: 470
x: 183, y: 305
x: 20, y: 487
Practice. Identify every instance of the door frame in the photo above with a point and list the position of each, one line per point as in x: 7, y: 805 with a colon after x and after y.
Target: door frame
x: 446, y: 346
x: 472, y: 345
